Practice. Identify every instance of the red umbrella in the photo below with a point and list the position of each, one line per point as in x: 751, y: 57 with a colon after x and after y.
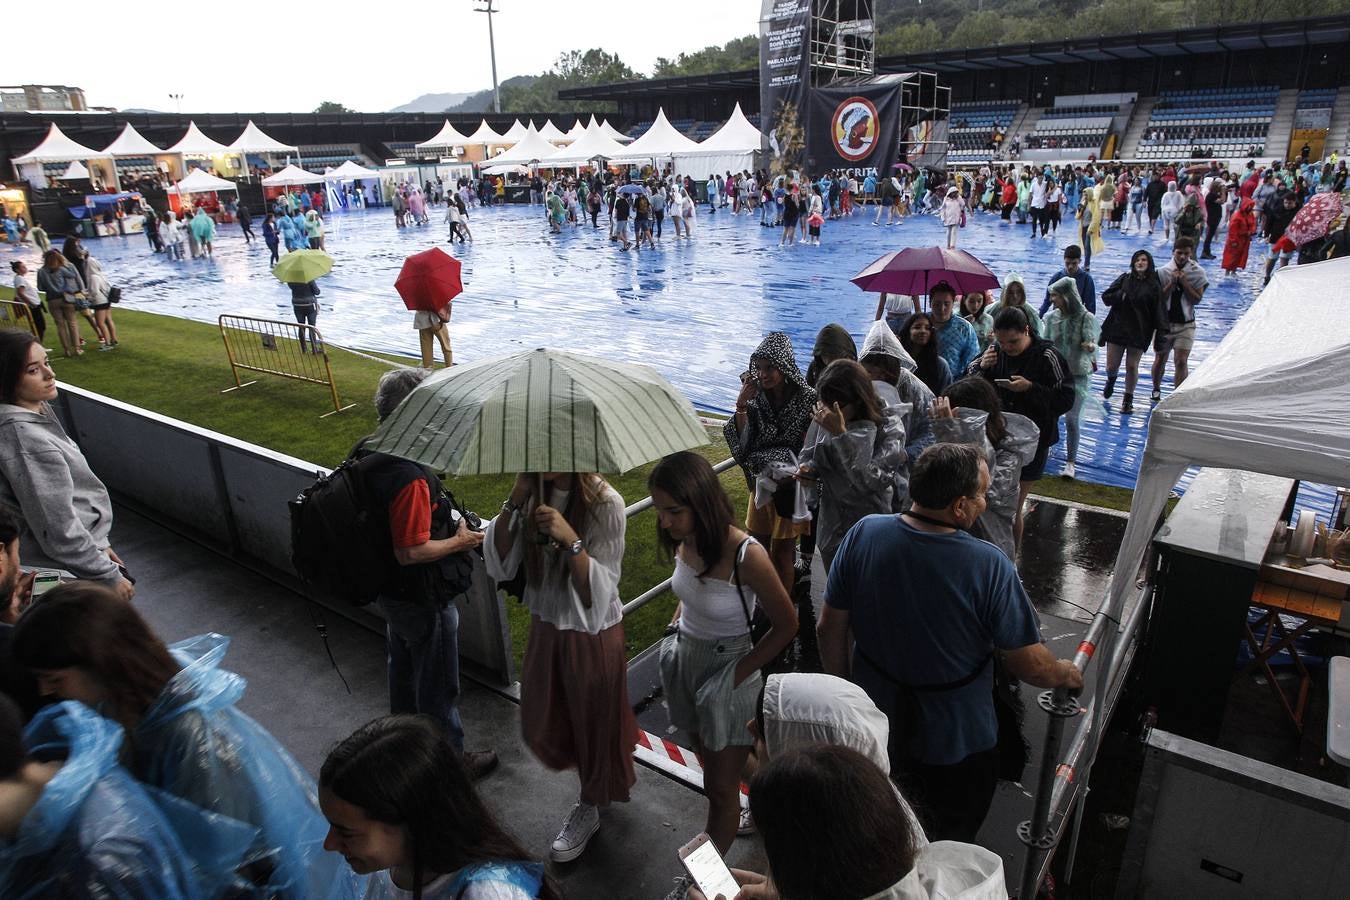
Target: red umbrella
x: 429, y: 280
x: 915, y: 270
x: 1314, y: 219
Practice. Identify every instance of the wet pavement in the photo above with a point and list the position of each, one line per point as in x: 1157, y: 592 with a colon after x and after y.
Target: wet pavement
x: 693, y: 309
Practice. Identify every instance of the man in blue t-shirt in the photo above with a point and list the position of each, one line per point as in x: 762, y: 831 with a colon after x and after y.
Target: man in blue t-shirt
x: 925, y: 641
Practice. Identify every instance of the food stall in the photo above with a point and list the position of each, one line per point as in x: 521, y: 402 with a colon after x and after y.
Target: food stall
x: 112, y: 214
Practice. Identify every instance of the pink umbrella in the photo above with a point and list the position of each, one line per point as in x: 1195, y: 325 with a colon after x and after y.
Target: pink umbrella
x: 1314, y: 219
x: 915, y: 270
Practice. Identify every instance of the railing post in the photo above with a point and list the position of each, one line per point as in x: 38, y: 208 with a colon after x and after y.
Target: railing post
x: 1036, y: 833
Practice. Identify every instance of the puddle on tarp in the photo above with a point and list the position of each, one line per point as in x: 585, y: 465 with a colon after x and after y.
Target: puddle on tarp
x: 693, y: 309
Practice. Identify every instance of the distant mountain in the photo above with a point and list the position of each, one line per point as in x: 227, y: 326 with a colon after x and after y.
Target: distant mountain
x: 482, y: 101
x: 433, y: 103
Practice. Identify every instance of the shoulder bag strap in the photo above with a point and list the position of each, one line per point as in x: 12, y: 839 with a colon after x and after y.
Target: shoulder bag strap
x: 736, y: 576
x: 932, y: 687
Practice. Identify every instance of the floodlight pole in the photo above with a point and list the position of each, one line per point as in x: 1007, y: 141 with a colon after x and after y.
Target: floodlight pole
x: 486, y: 7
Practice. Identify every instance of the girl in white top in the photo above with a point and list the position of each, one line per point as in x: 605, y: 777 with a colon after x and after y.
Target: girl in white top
x: 710, y: 664
x: 574, y: 710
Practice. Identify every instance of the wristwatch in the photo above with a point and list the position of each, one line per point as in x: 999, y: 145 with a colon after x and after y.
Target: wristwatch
x: 508, y: 507
x: 576, y: 548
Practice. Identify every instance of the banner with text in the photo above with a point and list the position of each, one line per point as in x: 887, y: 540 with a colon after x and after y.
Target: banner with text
x: 784, y: 76
x: 855, y: 127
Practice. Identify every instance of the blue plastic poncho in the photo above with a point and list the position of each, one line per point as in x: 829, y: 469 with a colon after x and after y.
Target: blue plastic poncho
x: 94, y: 832
x: 194, y: 744
x: 514, y: 879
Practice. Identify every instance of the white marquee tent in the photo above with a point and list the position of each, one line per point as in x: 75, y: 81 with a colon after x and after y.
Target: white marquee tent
x: 486, y: 136
x: 199, y: 182
x: 292, y: 176
x: 513, y: 134
x: 730, y: 148
x: 661, y: 141
x: 74, y: 172
x: 197, y: 145
x: 613, y: 133
x: 551, y: 132
x: 594, y: 143
x: 56, y: 147
x: 254, y: 140
x: 448, y: 136
x: 576, y: 131
x: 528, y: 149
x: 130, y: 143
x: 350, y: 171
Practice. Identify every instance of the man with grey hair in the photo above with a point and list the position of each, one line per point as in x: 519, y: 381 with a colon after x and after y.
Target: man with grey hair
x: 430, y: 543
x: 922, y: 645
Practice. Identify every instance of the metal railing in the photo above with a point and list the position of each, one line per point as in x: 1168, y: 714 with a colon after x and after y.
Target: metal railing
x: 657, y: 590
x: 277, y: 347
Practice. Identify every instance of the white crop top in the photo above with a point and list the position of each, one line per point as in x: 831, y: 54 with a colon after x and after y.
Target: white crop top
x: 711, y: 608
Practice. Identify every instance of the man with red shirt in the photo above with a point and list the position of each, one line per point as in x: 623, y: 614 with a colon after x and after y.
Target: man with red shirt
x: 421, y: 619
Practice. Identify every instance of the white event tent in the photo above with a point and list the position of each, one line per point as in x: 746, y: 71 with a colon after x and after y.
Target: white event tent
x: 576, y: 131
x: 55, y: 147
x: 593, y: 144
x: 528, y: 149
x: 350, y: 171
x: 292, y: 176
x: 486, y: 136
x: 551, y: 132
x: 74, y: 172
x: 254, y: 140
x: 661, y: 141
x: 513, y: 134
x: 448, y: 136
x: 130, y: 144
x: 197, y: 145
x: 730, y: 148
x: 613, y: 133
x: 199, y: 182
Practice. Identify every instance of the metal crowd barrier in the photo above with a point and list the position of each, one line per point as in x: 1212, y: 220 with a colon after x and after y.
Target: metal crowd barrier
x: 16, y: 314
x: 277, y: 347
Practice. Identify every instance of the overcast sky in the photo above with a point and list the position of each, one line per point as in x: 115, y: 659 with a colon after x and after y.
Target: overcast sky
x: 273, y: 57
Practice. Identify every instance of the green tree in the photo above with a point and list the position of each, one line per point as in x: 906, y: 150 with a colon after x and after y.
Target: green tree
x: 740, y: 53
x: 911, y: 37
x: 332, y: 106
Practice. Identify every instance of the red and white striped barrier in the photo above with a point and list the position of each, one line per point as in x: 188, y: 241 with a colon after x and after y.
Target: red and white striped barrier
x: 683, y: 765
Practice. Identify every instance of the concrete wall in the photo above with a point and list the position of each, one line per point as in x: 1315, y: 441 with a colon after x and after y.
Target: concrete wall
x: 231, y: 496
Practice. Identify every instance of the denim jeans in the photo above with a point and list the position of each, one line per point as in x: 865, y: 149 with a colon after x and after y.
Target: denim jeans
x: 422, y: 644
x: 307, y: 315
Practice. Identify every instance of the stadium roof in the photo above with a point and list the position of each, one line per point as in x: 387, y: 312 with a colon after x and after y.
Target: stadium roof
x: 1141, y: 45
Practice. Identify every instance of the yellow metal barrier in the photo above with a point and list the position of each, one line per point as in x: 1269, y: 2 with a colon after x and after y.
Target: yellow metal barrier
x: 277, y: 347
x: 16, y: 314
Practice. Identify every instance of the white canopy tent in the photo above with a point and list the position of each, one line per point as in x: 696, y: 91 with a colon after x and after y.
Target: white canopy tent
x: 350, y: 171
x: 448, y: 136
x: 576, y: 131
x: 199, y: 182
x: 486, y: 136
x: 130, y: 143
x: 292, y: 176
x: 197, y: 145
x: 56, y: 147
x: 661, y: 141
x: 1271, y: 398
x: 551, y: 132
x: 254, y: 140
x: 730, y: 148
x: 591, y: 145
x: 507, y: 169
x: 74, y: 172
x: 613, y: 133
x: 513, y: 134
x: 528, y: 149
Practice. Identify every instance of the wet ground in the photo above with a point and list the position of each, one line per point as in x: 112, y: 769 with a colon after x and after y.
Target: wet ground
x: 693, y: 309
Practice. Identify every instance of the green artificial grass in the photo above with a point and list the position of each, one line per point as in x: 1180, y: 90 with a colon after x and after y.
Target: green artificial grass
x: 179, y: 368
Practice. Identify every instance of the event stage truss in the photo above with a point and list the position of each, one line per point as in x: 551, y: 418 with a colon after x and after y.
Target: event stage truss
x: 842, y: 40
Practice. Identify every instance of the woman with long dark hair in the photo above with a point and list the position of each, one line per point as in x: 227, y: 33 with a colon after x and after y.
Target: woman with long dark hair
x: 64, y: 287
x: 920, y: 341
x: 401, y: 807
x: 1134, y: 299
x: 567, y: 531
x: 710, y: 664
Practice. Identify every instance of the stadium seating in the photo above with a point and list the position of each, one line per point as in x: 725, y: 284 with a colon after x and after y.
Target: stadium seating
x: 971, y: 127
x: 1230, y: 122
x: 1080, y: 122
x: 316, y: 156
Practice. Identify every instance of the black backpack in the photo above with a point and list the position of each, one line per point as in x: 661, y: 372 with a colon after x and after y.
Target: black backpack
x: 341, y: 544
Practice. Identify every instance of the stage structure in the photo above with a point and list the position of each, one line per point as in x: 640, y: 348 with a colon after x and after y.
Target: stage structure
x: 822, y: 106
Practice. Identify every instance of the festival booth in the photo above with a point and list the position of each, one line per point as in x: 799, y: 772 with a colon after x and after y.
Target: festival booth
x: 353, y: 184
x: 113, y: 214
x: 41, y: 163
x: 460, y: 149
x: 1266, y: 410
x: 292, y: 176
x: 593, y: 146
x: 528, y: 150
x: 198, y: 189
x: 254, y: 140
x: 195, y: 146
x: 731, y: 148
x: 660, y: 146
x: 552, y: 133
x: 135, y: 157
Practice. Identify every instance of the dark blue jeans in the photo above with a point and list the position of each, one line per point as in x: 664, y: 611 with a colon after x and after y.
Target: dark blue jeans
x: 422, y: 644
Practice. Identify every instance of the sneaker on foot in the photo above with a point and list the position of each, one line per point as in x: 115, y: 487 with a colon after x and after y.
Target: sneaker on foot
x: 581, y: 825
x: 681, y: 888
x: 746, y: 824
x: 1068, y: 470
x: 1127, y: 406
x: 1155, y: 396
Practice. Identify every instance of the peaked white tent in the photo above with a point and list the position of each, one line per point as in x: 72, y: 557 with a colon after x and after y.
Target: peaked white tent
x: 661, y: 141
x: 199, y: 182
x: 528, y: 149
x: 1272, y: 398
x: 576, y: 131
x: 730, y: 148
x: 74, y: 172
x: 513, y: 134
x: 130, y: 143
x: 56, y: 147
x: 350, y: 171
x: 591, y: 145
x: 195, y: 144
x: 292, y: 176
x: 254, y: 140
x: 613, y: 133
x: 486, y: 136
x: 448, y: 136
x: 551, y: 132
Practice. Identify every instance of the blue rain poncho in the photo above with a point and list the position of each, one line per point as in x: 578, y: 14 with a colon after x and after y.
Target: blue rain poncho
x: 195, y: 745
x: 94, y: 832
x: 498, y: 880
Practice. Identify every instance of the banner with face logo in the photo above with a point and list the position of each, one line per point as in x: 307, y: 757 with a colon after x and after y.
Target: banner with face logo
x: 856, y: 127
x: 784, y: 76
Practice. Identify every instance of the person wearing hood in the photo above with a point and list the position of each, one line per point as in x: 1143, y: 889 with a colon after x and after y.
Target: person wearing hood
x: 1074, y: 332
x: 1191, y: 219
x: 1090, y: 213
x: 235, y: 781
x: 857, y: 456
x: 204, y: 230
x: 957, y: 342
x: 1183, y: 285
x: 1241, y: 227
x: 952, y: 214
x: 1170, y: 206
x: 45, y: 479
x: 73, y: 822
x: 1014, y: 296
x: 1134, y: 298
x: 773, y: 412
x: 902, y: 394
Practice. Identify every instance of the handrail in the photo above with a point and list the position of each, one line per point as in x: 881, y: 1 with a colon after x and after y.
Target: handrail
x: 646, y: 502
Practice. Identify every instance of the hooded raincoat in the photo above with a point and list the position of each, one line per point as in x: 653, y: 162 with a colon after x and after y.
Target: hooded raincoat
x: 772, y: 434
x: 1037, y: 328
x: 833, y: 342
x: 1134, y: 301
x: 1241, y: 227
x: 950, y: 870
x: 1017, y: 449
x: 203, y: 229
x: 194, y: 744
x: 917, y: 421
x: 94, y: 832
x: 1074, y: 332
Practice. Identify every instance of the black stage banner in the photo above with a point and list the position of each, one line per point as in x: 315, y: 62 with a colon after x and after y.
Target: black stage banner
x: 855, y: 127
x: 784, y: 76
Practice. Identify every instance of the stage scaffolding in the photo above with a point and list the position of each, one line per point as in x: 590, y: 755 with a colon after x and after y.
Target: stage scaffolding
x: 842, y: 40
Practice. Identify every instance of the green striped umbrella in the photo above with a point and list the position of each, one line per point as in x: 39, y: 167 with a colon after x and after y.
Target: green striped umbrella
x: 540, y: 411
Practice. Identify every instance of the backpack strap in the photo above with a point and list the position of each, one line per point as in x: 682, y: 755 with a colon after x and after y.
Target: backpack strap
x: 736, y: 576
x: 931, y: 687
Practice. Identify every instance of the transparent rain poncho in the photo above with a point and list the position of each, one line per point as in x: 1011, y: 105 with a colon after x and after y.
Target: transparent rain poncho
x: 502, y: 879
x: 195, y: 745
x: 95, y: 832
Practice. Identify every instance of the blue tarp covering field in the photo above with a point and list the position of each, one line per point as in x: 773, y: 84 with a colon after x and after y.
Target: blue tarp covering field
x: 693, y: 309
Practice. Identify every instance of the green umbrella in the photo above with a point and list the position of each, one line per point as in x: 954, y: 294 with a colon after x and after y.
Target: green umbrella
x: 540, y: 411
x: 303, y: 266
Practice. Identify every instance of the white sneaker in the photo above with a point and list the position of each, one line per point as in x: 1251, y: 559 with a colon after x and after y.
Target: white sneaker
x: 746, y: 825
x: 581, y: 825
x: 1068, y: 470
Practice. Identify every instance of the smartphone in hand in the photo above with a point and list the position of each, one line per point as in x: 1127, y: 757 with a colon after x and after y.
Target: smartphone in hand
x: 1005, y: 383
x: 705, y: 865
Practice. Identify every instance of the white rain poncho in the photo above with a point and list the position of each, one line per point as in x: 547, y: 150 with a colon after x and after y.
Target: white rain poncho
x: 950, y: 870
x: 1016, y: 450
x: 508, y: 880
x: 909, y: 389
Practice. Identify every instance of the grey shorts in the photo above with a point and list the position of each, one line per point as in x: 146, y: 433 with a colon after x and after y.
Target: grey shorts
x: 697, y: 676
x: 1178, y: 336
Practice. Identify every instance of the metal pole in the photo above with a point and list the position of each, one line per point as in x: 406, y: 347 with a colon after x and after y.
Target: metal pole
x: 492, y: 47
